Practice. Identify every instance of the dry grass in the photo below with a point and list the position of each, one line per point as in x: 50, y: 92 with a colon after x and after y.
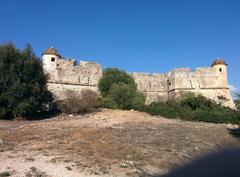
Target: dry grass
x: 112, y: 142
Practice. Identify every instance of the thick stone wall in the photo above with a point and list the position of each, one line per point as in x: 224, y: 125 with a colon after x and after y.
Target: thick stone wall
x: 59, y: 88
x: 209, y: 82
x: 65, y: 74
x: 155, y: 86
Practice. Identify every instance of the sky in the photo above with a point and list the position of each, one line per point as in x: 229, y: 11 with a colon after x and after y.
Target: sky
x: 133, y: 35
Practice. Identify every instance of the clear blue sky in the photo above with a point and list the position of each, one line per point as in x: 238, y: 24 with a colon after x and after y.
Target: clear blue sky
x: 134, y: 35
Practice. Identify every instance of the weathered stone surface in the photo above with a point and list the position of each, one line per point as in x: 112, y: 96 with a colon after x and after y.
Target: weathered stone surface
x: 65, y: 74
x: 209, y: 81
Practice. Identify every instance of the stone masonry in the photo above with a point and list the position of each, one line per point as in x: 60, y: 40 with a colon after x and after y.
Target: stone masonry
x: 210, y: 82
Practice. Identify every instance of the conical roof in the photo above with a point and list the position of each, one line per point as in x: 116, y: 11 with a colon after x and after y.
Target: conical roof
x: 52, y: 51
x: 219, y: 61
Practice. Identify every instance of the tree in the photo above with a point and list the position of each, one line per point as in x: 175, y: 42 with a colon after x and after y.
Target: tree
x: 23, y: 89
x: 119, y: 90
x: 111, y: 76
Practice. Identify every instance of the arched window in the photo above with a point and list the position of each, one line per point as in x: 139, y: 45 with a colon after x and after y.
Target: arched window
x: 220, y: 69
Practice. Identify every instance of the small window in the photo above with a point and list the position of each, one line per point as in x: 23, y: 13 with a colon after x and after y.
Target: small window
x: 52, y: 59
x: 220, y: 69
x: 75, y: 63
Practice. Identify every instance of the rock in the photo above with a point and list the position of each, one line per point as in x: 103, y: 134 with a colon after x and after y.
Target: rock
x: 123, y: 165
x: 5, y: 174
x: 1, y: 141
x: 150, y: 170
x: 33, y: 169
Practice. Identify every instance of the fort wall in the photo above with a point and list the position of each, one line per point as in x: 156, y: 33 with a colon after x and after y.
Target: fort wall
x: 66, y: 74
x: 210, y: 82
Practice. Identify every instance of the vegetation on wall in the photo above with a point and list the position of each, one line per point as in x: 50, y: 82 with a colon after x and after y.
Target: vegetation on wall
x: 119, y: 91
x: 23, y: 90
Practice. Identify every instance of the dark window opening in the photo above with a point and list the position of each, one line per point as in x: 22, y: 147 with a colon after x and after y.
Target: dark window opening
x: 52, y: 59
x: 75, y: 63
x: 220, y: 69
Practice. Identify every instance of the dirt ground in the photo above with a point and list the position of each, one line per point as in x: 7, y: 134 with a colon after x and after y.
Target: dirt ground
x: 105, y: 143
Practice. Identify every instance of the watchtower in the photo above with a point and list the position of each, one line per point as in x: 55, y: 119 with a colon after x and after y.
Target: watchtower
x: 50, y: 58
x: 221, y: 69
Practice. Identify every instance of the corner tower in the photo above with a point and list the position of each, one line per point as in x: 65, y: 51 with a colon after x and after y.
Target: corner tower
x: 220, y: 67
x: 224, y: 96
x: 50, y: 58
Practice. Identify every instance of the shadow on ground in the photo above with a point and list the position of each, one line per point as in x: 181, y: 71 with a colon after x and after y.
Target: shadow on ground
x: 224, y: 163
x: 44, y: 115
x: 235, y: 132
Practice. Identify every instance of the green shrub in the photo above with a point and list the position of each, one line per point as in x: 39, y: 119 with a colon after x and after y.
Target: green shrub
x: 105, y: 102
x: 163, y: 109
x: 138, y: 101
x: 113, y: 76
x: 194, y: 108
x: 23, y: 90
x: 119, y: 91
x: 78, y: 103
x: 122, y: 94
x: 196, y: 102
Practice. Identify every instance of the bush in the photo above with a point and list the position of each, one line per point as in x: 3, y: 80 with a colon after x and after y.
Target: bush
x: 75, y: 103
x: 119, y: 91
x: 113, y: 76
x: 196, y: 102
x: 122, y: 94
x: 138, y: 101
x: 105, y: 102
x: 23, y: 90
x: 163, y: 109
x: 194, y: 108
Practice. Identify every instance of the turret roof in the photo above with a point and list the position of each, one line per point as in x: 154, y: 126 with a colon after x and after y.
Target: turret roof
x: 51, y: 51
x: 219, y: 61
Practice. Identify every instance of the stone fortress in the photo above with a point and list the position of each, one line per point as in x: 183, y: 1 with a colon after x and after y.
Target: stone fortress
x: 210, y: 82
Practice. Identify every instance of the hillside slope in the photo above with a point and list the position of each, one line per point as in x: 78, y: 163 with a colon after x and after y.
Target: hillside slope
x: 105, y: 143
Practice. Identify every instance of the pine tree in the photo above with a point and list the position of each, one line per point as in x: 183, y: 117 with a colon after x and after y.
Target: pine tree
x: 23, y: 89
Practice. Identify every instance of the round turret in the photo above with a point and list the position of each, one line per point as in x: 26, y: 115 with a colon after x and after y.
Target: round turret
x: 220, y: 65
x: 50, y: 57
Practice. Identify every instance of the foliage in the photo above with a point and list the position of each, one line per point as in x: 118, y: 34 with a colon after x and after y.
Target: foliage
x: 23, y: 89
x: 113, y: 76
x: 119, y: 91
x: 75, y: 103
x: 194, y: 108
x: 138, y: 100
x: 106, y: 102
